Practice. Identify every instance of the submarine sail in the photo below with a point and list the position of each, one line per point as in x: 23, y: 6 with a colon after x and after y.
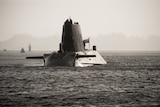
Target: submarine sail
x: 72, y: 37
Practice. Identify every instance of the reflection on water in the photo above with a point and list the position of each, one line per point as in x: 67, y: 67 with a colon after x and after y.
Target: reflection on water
x: 129, y: 79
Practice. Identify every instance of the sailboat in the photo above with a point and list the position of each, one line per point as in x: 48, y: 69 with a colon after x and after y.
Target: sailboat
x: 22, y: 50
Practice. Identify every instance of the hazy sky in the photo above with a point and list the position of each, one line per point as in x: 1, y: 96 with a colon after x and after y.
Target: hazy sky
x: 96, y: 17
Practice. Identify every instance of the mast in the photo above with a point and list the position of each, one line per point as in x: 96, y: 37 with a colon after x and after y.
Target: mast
x: 29, y: 47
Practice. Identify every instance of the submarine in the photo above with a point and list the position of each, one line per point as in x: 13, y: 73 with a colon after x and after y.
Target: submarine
x: 72, y: 50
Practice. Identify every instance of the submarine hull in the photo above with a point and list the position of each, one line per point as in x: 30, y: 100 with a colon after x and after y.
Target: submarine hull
x: 72, y: 50
x: 74, y: 59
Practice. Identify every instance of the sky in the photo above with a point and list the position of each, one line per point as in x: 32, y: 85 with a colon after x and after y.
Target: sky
x: 42, y: 18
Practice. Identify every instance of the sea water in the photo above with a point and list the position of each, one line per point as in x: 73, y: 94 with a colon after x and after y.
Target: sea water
x: 128, y: 79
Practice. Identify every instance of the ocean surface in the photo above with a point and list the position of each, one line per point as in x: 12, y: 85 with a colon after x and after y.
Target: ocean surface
x: 129, y: 79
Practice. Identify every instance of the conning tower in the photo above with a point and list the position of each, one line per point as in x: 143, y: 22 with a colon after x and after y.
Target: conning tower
x: 71, y: 37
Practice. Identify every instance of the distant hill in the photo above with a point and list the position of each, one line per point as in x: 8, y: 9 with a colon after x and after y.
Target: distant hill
x: 113, y: 41
x: 38, y: 43
x: 119, y: 41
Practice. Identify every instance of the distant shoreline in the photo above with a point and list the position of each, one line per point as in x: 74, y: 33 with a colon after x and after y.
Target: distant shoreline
x: 102, y: 52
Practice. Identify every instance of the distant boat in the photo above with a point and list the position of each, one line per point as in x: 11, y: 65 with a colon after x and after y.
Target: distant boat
x: 22, y: 50
x: 4, y: 50
x: 29, y: 47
